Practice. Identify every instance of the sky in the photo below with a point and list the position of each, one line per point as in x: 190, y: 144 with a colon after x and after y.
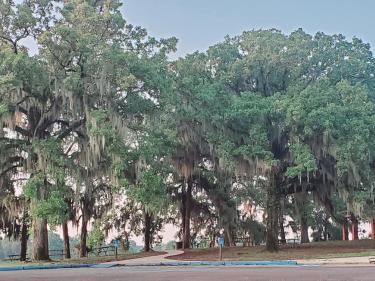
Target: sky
x: 199, y: 24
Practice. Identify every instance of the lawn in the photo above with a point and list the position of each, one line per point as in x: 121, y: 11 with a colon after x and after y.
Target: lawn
x: 314, y: 250
x: 85, y: 260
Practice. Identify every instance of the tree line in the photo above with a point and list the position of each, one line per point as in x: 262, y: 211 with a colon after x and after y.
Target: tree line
x: 99, y: 128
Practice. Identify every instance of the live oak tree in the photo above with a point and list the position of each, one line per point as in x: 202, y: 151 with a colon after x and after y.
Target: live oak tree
x: 68, y: 93
x: 152, y: 172
x: 230, y: 120
x: 250, y: 76
x: 334, y: 121
x: 190, y: 147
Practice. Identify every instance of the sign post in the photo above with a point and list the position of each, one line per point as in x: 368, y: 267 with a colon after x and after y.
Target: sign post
x: 220, y: 241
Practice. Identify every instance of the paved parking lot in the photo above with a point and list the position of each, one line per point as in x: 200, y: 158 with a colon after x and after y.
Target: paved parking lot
x: 222, y: 273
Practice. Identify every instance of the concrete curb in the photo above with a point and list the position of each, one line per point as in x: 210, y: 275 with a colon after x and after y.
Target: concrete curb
x: 216, y: 263
x: 199, y: 263
x: 52, y: 266
x: 164, y: 263
x: 106, y: 265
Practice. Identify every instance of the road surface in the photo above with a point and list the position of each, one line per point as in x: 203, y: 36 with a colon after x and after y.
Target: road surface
x: 192, y: 273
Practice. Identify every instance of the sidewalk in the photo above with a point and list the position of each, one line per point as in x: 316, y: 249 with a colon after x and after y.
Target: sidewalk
x: 152, y: 260
x: 162, y: 260
x: 338, y: 261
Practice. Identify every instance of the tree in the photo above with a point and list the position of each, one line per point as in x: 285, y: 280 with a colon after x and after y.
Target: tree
x: 95, y: 238
x: 252, y: 75
x: 71, y: 90
x: 149, y: 189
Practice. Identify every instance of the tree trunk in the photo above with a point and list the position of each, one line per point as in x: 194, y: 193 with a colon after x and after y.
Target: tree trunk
x: 147, y: 232
x: 40, y: 240
x: 183, y: 212
x: 228, y: 234
x: 282, y: 232
x: 125, y: 240
x: 300, y: 206
x: 66, y: 240
x: 304, y: 230
x: 325, y: 228
x: 345, y: 232
x: 40, y: 230
x: 355, y: 230
x: 188, y: 201
x: 83, y: 237
x: 272, y: 209
x: 354, y: 226
x: 373, y: 229
x: 281, y: 224
x: 24, y: 238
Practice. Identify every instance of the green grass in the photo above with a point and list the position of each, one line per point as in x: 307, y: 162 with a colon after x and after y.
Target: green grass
x: 15, y: 263
x: 288, y: 256
x: 83, y: 260
x: 348, y: 255
x: 314, y: 250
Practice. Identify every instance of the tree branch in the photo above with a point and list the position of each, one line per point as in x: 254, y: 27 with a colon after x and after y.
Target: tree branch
x: 10, y: 168
x: 22, y: 131
x: 72, y: 128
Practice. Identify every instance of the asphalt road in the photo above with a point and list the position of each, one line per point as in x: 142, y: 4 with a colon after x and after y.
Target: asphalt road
x: 229, y: 273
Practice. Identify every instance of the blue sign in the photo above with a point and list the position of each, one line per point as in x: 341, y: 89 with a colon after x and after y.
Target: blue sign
x: 220, y: 241
x: 116, y: 243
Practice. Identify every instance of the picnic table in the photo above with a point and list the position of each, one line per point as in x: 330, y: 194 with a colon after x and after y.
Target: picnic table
x: 103, y: 251
x: 244, y: 241
x: 15, y: 257
x: 289, y: 241
x: 52, y: 253
x: 56, y: 253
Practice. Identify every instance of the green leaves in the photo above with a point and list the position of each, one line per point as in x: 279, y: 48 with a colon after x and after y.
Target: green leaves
x: 3, y: 108
x: 150, y: 191
x: 303, y: 159
x: 297, y: 104
x: 95, y: 238
x: 33, y: 185
x: 341, y: 115
x: 47, y: 203
x: 54, y: 208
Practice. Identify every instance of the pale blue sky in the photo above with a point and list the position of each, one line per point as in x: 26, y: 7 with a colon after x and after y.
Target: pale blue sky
x: 201, y: 23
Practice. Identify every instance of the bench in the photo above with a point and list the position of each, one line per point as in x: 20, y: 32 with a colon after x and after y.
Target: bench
x: 15, y: 258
